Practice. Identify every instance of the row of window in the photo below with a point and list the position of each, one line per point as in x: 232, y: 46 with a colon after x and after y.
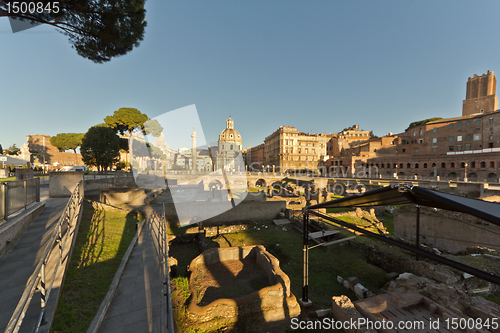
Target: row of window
x: 459, y: 124
x: 473, y: 164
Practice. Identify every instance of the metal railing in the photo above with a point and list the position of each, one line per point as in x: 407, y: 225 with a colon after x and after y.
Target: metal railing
x: 65, y: 231
x: 17, y: 195
x: 157, y: 224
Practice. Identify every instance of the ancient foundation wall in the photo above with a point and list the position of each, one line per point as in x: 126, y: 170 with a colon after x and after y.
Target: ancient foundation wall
x: 273, y: 304
x: 450, y: 231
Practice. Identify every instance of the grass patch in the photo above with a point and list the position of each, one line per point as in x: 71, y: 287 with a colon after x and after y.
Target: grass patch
x: 495, y: 298
x: 389, y: 223
x: 102, y: 240
x: 8, y: 179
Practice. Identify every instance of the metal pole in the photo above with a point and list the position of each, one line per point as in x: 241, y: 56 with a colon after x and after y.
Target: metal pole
x: 417, y: 238
x: 305, y: 240
x: 42, y: 289
x: 4, y: 189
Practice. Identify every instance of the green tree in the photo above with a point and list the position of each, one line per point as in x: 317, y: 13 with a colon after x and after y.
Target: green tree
x: 12, y: 150
x: 66, y: 141
x: 153, y: 127
x: 126, y: 120
x: 100, y: 147
x: 1, y: 150
x: 97, y: 29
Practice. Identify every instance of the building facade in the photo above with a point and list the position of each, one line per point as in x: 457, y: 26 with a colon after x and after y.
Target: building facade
x: 287, y: 149
x: 42, y: 151
x: 460, y: 148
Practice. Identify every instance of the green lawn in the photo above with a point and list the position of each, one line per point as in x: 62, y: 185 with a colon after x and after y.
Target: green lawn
x: 102, y: 240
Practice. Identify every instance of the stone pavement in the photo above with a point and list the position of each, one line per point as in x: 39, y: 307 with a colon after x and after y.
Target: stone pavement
x: 136, y: 305
x: 18, y: 265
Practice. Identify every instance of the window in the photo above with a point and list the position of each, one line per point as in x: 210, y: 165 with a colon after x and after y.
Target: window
x: 408, y: 165
x: 434, y: 130
x: 459, y: 147
x: 443, y: 165
x: 467, y: 137
x: 450, y: 148
x: 382, y: 165
x: 231, y: 148
x: 462, y: 165
x: 467, y: 123
x: 450, y: 139
x: 459, y: 124
x: 306, y: 150
x: 473, y: 165
x: 467, y: 146
x: 401, y: 165
x: 404, y: 150
x: 394, y: 166
x: 420, y: 132
x: 459, y: 138
x: 452, y: 165
x: 477, y: 137
x: 491, y: 120
x: 451, y: 125
x: 490, y: 145
x: 414, y: 133
x: 434, y: 149
x: 416, y: 150
x: 433, y: 165
x: 434, y: 140
x: 478, y: 122
x: 492, y: 164
x: 416, y: 165
x: 425, y: 165
x: 483, y: 164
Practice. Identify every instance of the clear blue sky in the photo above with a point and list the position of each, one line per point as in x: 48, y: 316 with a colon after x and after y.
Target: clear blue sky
x: 317, y: 65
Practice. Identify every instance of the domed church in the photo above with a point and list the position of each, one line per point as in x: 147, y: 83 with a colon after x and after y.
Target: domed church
x: 229, y: 146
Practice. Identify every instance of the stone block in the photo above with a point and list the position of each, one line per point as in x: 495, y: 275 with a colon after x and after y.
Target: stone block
x: 340, y: 280
x: 392, y: 275
x: 359, y: 290
x: 352, y: 281
x: 404, y: 299
x: 346, y: 284
x: 343, y: 310
x: 281, y: 222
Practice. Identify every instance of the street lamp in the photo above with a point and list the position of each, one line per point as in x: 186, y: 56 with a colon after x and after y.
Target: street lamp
x: 465, y: 176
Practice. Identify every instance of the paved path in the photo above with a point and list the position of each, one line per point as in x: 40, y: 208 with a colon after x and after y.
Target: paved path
x: 137, y: 303
x: 17, y: 266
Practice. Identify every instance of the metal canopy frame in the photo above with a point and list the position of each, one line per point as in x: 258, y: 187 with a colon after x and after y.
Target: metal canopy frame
x: 402, y: 194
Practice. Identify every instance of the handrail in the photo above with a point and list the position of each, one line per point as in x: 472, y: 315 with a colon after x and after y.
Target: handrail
x: 159, y: 231
x: 37, y: 280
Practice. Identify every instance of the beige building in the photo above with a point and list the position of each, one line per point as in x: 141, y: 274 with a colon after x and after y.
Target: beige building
x: 288, y: 149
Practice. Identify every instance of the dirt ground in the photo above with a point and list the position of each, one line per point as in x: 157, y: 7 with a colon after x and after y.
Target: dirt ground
x: 239, y: 278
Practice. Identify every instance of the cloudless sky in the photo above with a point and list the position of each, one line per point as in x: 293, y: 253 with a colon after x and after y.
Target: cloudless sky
x: 317, y: 65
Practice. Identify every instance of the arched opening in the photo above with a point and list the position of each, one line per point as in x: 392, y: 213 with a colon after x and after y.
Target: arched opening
x: 452, y: 176
x: 260, y: 183
x: 473, y: 165
x: 408, y: 165
x: 483, y: 164
x: 416, y: 165
x: 401, y: 165
x: 472, y: 176
x: 492, y: 164
x: 215, y: 185
x: 462, y: 165
x: 443, y: 165
x: 401, y: 174
x: 492, y: 178
x: 452, y: 165
x: 433, y: 165
x: 425, y: 165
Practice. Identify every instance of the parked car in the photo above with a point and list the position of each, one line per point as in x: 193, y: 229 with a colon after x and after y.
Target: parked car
x: 72, y: 168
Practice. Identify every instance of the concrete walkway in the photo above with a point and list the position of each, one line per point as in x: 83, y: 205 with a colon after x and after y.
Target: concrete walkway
x: 18, y: 265
x: 136, y: 305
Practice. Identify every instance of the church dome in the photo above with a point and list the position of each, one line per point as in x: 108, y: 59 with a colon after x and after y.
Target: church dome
x: 230, y: 134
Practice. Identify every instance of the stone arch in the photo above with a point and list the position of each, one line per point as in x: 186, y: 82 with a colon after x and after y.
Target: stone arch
x: 492, y: 177
x: 472, y: 176
x: 425, y: 165
x: 215, y: 185
x: 260, y: 183
x: 462, y: 165
x: 401, y: 174
x: 452, y: 176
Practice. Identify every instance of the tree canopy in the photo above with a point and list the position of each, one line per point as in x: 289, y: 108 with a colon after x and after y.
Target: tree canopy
x: 12, y: 150
x: 66, y: 141
x: 100, y: 147
x: 422, y: 122
x: 97, y: 29
x: 126, y: 120
x: 153, y: 127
